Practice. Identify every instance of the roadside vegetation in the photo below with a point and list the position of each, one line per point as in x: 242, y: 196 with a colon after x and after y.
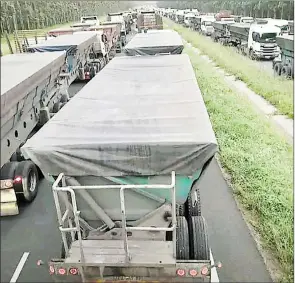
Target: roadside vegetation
x: 258, y: 160
x: 277, y: 91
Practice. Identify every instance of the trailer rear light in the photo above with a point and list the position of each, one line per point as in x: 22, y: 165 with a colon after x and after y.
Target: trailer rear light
x: 73, y: 271
x: 180, y: 272
x: 17, y: 180
x: 193, y: 272
x: 51, y: 270
x: 61, y: 271
x: 204, y: 270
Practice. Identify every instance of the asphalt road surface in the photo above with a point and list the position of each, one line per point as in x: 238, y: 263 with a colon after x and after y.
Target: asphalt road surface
x: 33, y: 235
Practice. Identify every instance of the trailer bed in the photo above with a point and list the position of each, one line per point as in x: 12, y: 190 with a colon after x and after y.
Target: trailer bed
x: 155, y: 42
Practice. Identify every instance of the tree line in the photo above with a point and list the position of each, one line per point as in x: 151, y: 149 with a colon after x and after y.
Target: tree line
x: 37, y: 14
x: 254, y: 8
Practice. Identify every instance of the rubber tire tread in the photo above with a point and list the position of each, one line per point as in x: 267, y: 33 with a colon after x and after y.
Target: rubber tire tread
x: 182, y: 239
x: 191, y: 209
x: 8, y: 170
x: 199, y: 244
x: 23, y: 169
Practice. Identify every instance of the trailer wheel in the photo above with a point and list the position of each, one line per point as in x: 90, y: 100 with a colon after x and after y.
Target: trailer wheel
x: 180, y: 210
x: 92, y: 72
x: 199, y: 246
x: 286, y: 71
x: 182, y: 239
x: 194, y: 209
x: 27, y: 188
x: 278, y: 69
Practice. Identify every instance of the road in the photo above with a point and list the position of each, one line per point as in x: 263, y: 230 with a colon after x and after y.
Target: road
x: 35, y: 231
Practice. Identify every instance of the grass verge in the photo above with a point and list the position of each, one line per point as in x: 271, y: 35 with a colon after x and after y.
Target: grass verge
x: 259, y: 161
x: 276, y: 90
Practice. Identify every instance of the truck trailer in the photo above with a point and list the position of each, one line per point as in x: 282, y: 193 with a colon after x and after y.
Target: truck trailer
x: 256, y: 41
x: 31, y: 92
x: 149, y: 20
x: 221, y: 31
x: 125, y: 174
x: 283, y: 65
x: 79, y: 48
x: 155, y: 42
x: 62, y: 31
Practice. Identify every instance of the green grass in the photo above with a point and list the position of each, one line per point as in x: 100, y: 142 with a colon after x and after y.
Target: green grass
x: 259, y: 161
x: 276, y: 90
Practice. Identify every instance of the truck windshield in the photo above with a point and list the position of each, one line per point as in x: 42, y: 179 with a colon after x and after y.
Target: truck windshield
x: 268, y: 37
x: 89, y: 18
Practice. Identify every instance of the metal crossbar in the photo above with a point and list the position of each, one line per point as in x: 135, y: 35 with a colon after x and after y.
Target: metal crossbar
x: 62, y: 217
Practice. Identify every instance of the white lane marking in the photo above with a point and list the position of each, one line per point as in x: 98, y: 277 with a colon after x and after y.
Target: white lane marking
x: 19, y: 267
x: 214, y: 274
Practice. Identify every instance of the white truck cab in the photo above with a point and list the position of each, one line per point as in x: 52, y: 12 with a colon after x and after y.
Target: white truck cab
x: 93, y: 20
x: 262, y: 41
x: 283, y: 25
x: 187, y: 19
x: 206, y: 25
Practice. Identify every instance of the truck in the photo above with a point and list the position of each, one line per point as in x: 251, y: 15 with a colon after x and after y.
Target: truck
x: 32, y: 90
x: 149, y: 20
x: 241, y: 19
x: 224, y: 16
x: 122, y: 37
x: 80, y: 54
x: 62, y: 31
x: 112, y: 34
x: 118, y: 17
x: 283, y: 65
x: 279, y: 23
x: 221, y: 31
x: 189, y: 19
x: 155, y: 42
x: 126, y: 194
x: 256, y: 41
x: 206, y: 25
x: 179, y: 16
x: 93, y: 20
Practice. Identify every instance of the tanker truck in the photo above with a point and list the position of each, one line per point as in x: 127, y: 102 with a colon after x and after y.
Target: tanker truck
x: 258, y: 41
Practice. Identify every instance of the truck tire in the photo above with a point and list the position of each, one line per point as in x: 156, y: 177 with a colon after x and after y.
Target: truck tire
x: 56, y: 107
x: 92, y: 72
x: 28, y: 188
x: 182, y: 239
x: 278, y: 69
x: 286, y: 71
x: 8, y: 170
x: 199, y: 246
x: 194, y: 209
x: 180, y: 210
x: 251, y: 55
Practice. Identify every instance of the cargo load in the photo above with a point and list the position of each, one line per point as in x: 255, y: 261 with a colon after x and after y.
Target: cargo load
x: 155, y: 42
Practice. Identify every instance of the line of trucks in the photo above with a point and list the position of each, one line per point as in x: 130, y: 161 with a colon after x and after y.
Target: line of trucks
x: 270, y: 39
x: 124, y: 171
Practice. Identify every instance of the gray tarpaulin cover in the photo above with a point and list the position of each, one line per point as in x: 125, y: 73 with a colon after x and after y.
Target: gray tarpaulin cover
x: 21, y: 73
x: 66, y: 42
x: 139, y: 116
x: 154, y: 42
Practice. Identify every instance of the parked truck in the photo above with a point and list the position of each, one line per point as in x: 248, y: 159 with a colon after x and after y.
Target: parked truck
x: 206, y: 25
x: 93, y: 20
x: 122, y: 36
x: 32, y: 90
x: 149, y: 20
x: 283, y: 65
x: 221, y: 31
x: 241, y: 19
x: 126, y: 194
x: 118, y: 17
x: 79, y: 48
x: 256, y: 41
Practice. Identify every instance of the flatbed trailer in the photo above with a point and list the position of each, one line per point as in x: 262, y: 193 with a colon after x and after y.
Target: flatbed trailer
x: 81, y: 61
x: 31, y: 92
x: 155, y: 42
x: 125, y: 174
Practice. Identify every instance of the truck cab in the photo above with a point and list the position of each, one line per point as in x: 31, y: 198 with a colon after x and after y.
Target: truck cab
x: 93, y: 20
x: 283, y: 25
x: 262, y: 41
x: 188, y: 19
x: 206, y: 25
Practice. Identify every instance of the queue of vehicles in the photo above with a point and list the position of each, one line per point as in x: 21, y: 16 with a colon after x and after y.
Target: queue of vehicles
x: 269, y: 39
x: 121, y: 189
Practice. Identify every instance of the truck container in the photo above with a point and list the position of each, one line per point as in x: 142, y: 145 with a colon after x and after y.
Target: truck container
x: 122, y: 38
x: 118, y: 17
x: 62, y: 31
x: 112, y: 33
x: 221, y: 32
x: 31, y: 92
x: 283, y: 65
x: 257, y: 41
x: 125, y: 174
x: 155, y: 42
x: 149, y: 20
x: 79, y: 48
